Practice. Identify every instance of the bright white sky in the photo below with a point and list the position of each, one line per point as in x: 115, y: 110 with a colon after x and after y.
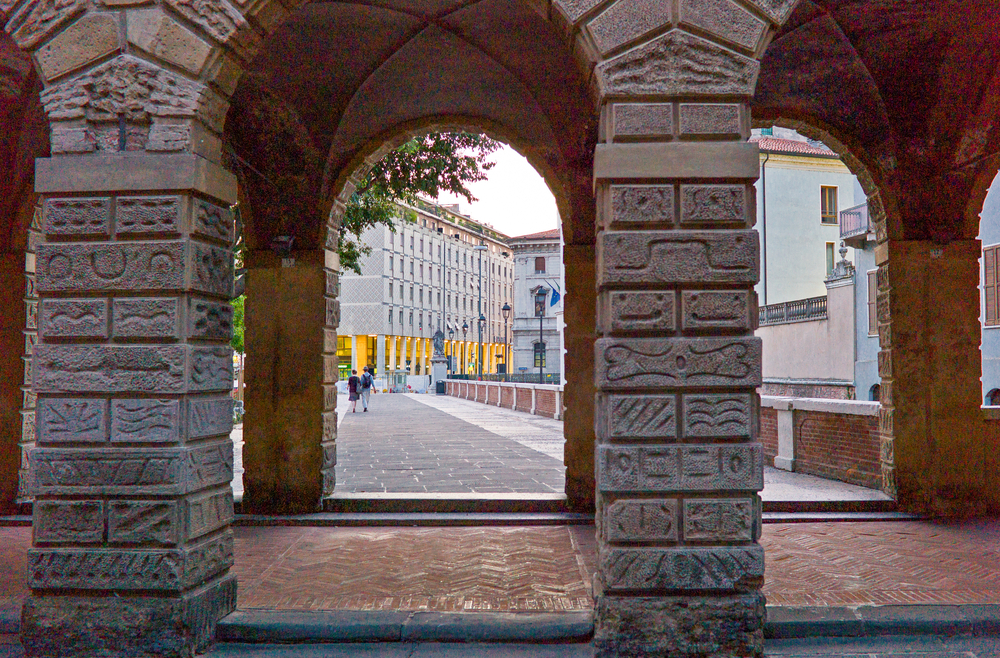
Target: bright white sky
x: 514, y: 200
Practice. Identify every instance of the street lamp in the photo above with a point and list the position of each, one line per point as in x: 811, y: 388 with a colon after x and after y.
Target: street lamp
x: 505, y: 311
x: 540, y: 347
x: 479, y: 307
x: 465, y: 330
x: 479, y: 364
x: 451, y: 339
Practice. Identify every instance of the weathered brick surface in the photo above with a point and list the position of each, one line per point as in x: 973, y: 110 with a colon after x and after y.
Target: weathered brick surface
x: 838, y: 446
x: 769, y: 433
x: 545, y: 403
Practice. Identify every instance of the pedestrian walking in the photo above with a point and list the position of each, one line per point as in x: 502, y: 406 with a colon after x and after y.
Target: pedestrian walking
x: 366, y: 387
x: 353, y: 387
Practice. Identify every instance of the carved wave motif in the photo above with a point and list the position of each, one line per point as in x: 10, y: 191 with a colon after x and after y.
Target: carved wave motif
x: 144, y: 417
x: 722, y: 414
x: 697, y: 252
x: 726, y: 361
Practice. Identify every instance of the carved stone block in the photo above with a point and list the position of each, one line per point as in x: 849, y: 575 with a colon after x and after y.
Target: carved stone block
x: 329, y: 455
x: 677, y: 569
x: 329, y: 425
x: 724, y: 19
x: 73, y: 318
x: 719, y: 519
x: 717, y: 119
x: 145, y: 318
x: 718, y: 415
x: 77, y: 216
x: 145, y: 421
x: 332, y: 312
x: 329, y: 397
x: 680, y: 468
x: 148, y: 214
x: 208, y: 558
x: 27, y: 427
x: 623, y: 22
x: 109, y: 369
x: 130, y: 471
x: 641, y: 417
x: 641, y: 520
x: 714, y: 204
x: 81, y: 420
x: 86, y: 40
x: 643, y: 204
x: 677, y: 362
x: 677, y: 257
x: 716, y: 309
x: 71, y: 521
x: 144, y: 522
x: 209, y: 417
x: 211, y: 369
x: 210, y: 320
x: 211, y: 270
x: 213, y: 221
x: 640, y: 311
x: 675, y: 64
x: 31, y: 314
x: 208, y: 513
x: 638, y: 120
x: 120, y: 266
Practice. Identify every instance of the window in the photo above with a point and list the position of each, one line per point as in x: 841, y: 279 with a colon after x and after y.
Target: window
x: 421, y: 272
x: 392, y: 239
x: 990, y: 285
x: 422, y: 243
x: 390, y: 263
x: 411, y: 268
x: 411, y: 318
x: 872, y: 318
x: 411, y: 293
x: 993, y: 398
x: 400, y: 316
x: 828, y: 204
x: 411, y: 247
x: 390, y: 316
x: 439, y: 299
x: 390, y: 291
x: 421, y: 295
x: 829, y: 258
x: 875, y: 393
x: 540, y: 265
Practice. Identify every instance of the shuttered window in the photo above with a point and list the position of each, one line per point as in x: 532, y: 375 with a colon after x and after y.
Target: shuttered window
x: 539, y: 264
x: 872, y: 316
x: 990, y: 285
x: 828, y: 204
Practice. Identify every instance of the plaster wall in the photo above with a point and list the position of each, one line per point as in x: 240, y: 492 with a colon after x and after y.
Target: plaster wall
x: 989, y: 234
x: 866, y: 345
x: 526, y: 325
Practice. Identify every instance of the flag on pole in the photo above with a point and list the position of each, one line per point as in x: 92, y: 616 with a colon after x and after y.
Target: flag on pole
x: 555, y: 294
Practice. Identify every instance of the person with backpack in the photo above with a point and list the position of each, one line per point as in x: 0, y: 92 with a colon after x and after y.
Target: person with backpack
x: 353, y: 386
x: 366, y: 387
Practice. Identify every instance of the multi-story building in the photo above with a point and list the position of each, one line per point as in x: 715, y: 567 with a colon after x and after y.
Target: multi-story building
x: 538, y: 306
x: 438, y: 270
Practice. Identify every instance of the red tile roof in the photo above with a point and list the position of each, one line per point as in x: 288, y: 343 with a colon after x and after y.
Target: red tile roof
x: 544, y: 235
x: 778, y: 145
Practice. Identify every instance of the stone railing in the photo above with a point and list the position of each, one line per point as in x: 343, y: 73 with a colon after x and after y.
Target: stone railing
x: 538, y: 399
x: 835, y: 439
x: 799, y: 310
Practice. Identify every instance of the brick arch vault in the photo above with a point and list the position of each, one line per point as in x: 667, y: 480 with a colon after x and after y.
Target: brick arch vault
x: 150, y: 104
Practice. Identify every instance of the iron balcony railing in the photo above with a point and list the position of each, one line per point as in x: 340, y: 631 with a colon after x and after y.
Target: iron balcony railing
x: 800, y: 310
x: 854, y: 221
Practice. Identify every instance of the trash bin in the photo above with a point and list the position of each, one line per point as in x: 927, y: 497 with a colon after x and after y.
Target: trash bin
x: 440, y: 386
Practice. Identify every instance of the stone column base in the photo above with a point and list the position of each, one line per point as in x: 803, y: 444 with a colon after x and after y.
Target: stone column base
x: 53, y: 626
x: 680, y: 626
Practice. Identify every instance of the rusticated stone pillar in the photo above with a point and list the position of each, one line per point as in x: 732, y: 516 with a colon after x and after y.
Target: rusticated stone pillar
x: 12, y: 342
x: 290, y: 424
x: 131, y: 476
x: 931, y: 424
x: 578, y: 425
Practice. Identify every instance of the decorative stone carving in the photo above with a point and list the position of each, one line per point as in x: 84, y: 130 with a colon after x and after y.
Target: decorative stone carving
x: 210, y: 320
x: 641, y: 311
x: 715, y: 309
x: 724, y: 19
x: 80, y: 420
x: 109, y: 369
x: 130, y: 471
x: 211, y: 270
x: 678, y: 256
x: 627, y: 20
x: 145, y: 421
x: 641, y: 520
x: 209, y: 417
x: 213, y: 221
x: 332, y: 312
x: 706, y: 467
x: 211, y: 369
x: 145, y: 318
x: 635, y: 120
x: 719, y: 520
x: 217, y: 17
x: 143, y: 522
x: 329, y: 425
x: 678, y: 64
x: 641, y: 417
x: 40, y: 19
x: 713, y: 204
x: 77, y: 216
x: 776, y: 10
x: 718, y: 119
x: 677, y: 362
x: 111, y: 267
x: 72, y: 521
x: 716, y: 568
x: 148, y: 214
x: 208, y: 513
x: 645, y: 204
x: 717, y: 415
x: 73, y: 318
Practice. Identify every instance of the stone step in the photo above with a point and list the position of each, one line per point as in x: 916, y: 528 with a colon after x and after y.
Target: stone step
x: 480, y: 503
x: 838, y: 506
x: 420, y: 519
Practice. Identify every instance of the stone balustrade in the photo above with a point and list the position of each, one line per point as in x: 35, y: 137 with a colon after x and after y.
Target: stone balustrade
x: 539, y: 399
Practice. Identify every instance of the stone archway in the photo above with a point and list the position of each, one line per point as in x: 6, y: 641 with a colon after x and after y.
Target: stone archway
x: 138, y: 235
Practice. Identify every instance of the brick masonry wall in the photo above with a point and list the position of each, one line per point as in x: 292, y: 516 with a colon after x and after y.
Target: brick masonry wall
x: 545, y: 403
x: 839, y: 446
x: 769, y: 434
x: 524, y: 400
x: 508, y: 397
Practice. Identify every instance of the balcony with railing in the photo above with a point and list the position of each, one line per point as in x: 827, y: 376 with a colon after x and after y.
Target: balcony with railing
x: 855, y: 225
x: 799, y: 310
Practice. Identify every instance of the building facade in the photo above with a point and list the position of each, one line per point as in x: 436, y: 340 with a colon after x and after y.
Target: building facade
x: 539, y: 286
x: 438, y: 270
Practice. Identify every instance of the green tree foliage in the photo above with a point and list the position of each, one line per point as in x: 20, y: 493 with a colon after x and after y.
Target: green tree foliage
x: 238, y: 323
x: 422, y: 166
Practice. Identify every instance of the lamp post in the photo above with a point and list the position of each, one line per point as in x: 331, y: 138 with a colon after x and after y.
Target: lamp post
x: 451, y: 339
x: 465, y: 330
x: 540, y: 348
x: 479, y: 307
x: 505, y: 311
x: 479, y: 364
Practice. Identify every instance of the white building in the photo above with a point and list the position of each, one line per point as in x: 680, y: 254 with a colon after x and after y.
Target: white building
x: 539, y: 285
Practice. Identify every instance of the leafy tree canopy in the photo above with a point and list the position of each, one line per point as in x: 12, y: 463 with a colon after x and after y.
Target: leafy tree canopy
x: 422, y: 166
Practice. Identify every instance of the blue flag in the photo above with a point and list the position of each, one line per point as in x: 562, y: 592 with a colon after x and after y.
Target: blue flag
x: 555, y: 294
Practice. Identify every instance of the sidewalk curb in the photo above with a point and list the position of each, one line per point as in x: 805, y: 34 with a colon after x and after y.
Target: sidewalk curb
x: 869, y: 621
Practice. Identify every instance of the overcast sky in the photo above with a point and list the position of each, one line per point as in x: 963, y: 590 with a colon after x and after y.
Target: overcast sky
x: 515, y: 199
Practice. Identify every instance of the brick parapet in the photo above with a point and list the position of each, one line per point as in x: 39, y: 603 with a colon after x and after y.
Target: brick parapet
x: 539, y: 399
